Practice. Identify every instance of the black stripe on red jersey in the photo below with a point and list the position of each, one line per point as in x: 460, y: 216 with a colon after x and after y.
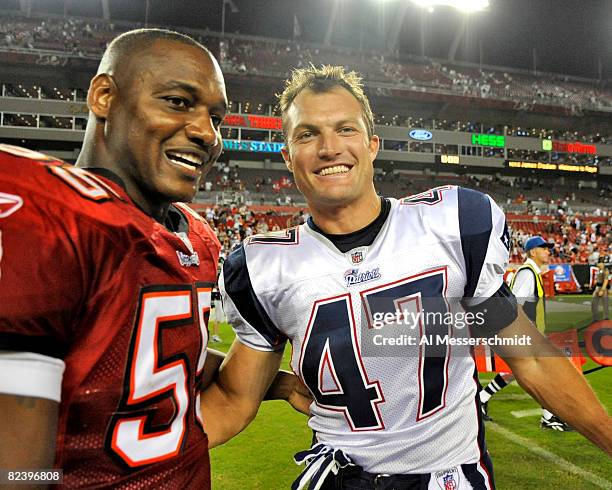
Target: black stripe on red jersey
x: 239, y: 288
x: 475, y: 227
x: 47, y: 346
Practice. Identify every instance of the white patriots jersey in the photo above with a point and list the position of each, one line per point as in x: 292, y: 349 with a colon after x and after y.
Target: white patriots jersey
x: 396, y: 412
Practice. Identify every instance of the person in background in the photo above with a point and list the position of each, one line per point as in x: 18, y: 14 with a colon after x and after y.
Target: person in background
x: 603, y: 280
x: 528, y: 288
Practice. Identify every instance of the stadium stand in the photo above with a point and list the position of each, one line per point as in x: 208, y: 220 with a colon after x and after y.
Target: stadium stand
x: 58, y: 41
x: 24, y: 90
x: 55, y: 40
x: 578, y: 239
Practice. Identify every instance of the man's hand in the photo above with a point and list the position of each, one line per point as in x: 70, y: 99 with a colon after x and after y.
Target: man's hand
x: 287, y: 386
x: 300, y: 398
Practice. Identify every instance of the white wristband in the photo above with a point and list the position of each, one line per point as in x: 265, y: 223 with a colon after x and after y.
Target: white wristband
x: 30, y: 374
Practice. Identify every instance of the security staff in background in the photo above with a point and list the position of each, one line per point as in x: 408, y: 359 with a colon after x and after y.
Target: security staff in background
x: 602, y: 287
x: 528, y: 288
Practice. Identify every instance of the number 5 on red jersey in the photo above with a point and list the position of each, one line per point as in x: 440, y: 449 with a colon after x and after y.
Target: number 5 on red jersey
x: 150, y: 379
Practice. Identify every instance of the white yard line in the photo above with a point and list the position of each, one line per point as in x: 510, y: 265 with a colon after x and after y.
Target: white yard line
x: 526, y: 413
x: 564, y: 464
x: 512, y: 396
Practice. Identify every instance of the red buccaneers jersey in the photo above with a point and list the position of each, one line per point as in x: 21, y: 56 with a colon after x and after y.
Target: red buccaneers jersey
x: 87, y: 277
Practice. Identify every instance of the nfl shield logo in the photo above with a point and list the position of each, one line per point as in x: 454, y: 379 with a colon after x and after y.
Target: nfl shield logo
x: 448, y: 479
x: 450, y: 483
x: 357, y: 257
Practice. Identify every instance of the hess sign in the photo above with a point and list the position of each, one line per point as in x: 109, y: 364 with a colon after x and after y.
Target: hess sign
x: 494, y: 140
x: 420, y: 134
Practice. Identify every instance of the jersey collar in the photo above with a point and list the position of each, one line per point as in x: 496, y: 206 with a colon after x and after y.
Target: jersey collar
x: 364, y: 249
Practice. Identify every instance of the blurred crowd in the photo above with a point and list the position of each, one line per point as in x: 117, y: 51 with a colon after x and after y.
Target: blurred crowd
x: 259, y: 108
x: 577, y: 238
x: 233, y: 223
x: 531, y: 204
x: 73, y: 35
x: 245, y: 55
x: 276, y: 58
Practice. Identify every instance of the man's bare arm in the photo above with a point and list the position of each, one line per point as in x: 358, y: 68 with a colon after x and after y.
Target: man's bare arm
x: 287, y: 386
x: 28, y: 426
x: 233, y: 398
x: 214, y: 359
x: 549, y: 376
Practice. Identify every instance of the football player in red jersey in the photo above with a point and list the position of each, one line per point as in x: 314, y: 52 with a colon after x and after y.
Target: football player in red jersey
x: 106, y: 282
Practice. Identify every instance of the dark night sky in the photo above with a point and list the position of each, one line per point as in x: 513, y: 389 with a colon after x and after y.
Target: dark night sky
x: 569, y: 36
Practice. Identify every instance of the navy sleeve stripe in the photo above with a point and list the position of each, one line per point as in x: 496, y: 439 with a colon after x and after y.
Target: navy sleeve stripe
x: 239, y: 288
x: 475, y: 226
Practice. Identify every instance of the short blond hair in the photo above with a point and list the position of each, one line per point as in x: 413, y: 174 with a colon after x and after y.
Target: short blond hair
x: 323, y: 79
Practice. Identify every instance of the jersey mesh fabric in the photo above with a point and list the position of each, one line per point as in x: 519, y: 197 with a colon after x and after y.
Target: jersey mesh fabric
x: 95, y: 260
x: 191, y: 472
x: 420, y: 240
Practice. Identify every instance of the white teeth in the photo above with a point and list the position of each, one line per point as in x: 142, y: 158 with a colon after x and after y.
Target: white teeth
x: 337, y: 169
x: 184, y: 165
x: 188, y: 157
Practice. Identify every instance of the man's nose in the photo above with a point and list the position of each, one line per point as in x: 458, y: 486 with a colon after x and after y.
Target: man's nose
x: 202, y: 130
x: 329, y: 146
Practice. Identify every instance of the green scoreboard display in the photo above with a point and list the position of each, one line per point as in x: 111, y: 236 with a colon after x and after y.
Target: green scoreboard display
x: 494, y: 140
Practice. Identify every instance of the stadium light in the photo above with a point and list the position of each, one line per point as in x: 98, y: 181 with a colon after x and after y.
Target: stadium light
x: 467, y: 6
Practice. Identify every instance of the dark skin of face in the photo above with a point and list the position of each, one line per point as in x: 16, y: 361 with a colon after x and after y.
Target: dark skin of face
x: 157, y: 123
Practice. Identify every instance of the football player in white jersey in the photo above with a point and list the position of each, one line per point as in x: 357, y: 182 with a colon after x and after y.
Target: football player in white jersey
x: 386, y: 412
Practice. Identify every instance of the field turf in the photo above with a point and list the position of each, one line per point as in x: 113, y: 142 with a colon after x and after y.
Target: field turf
x: 524, y: 456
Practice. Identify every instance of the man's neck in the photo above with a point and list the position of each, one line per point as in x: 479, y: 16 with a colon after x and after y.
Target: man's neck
x: 158, y: 212
x: 536, y: 263
x: 338, y: 220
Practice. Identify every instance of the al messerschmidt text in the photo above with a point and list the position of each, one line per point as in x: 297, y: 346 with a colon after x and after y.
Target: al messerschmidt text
x: 449, y: 340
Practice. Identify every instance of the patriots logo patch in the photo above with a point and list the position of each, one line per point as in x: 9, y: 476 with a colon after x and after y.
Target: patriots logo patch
x: 353, y: 276
x: 9, y: 203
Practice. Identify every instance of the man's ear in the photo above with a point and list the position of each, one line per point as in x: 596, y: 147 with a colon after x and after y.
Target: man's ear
x: 373, y: 146
x: 102, y: 90
x: 287, y: 158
